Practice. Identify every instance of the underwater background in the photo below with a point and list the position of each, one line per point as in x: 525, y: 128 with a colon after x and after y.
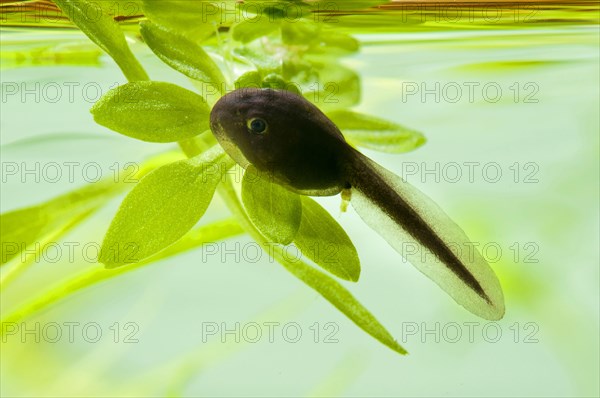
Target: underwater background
x: 507, y: 97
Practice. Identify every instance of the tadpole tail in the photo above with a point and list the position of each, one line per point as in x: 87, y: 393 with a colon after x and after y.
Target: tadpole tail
x: 423, y: 234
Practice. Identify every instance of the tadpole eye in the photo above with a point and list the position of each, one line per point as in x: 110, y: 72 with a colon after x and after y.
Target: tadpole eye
x: 257, y: 125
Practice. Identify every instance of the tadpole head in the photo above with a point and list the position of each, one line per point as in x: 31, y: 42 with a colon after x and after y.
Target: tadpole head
x: 280, y: 133
x: 229, y: 119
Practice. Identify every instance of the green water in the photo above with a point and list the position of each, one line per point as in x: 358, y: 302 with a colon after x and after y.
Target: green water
x: 509, y: 107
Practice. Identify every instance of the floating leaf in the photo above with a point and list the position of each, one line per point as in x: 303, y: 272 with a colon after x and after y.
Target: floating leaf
x: 102, y: 29
x: 274, y: 210
x: 375, y: 133
x: 182, y: 54
x: 325, y: 242
x: 162, y: 208
x: 153, y: 111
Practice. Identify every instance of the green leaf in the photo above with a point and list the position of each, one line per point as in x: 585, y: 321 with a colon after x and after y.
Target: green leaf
x: 263, y: 61
x: 102, y: 29
x: 274, y: 210
x: 197, y: 237
x: 299, y: 71
x: 249, y: 30
x: 249, y: 79
x: 317, y: 38
x: 375, y: 133
x: 153, y: 111
x: 330, y: 38
x: 197, y: 20
x: 35, y: 226
x: 341, y: 298
x: 326, y: 286
x: 300, y: 32
x: 276, y: 81
x: 325, y: 242
x: 182, y: 54
x: 337, y: 87
x: 162, y: 208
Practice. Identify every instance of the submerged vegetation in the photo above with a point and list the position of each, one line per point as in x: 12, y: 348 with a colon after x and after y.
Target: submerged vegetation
x: 167, y: 275
x: 289, y: 45
x: 293, y: 45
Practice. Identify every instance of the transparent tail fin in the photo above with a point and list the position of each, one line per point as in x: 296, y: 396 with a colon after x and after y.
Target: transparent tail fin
x: 417, y: 228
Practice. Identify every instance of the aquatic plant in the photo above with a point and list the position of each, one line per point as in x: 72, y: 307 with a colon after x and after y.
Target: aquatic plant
x: 289, y: 45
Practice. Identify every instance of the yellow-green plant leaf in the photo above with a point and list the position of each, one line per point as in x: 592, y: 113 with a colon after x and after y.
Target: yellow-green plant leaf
x: 276, y: 81
x: 35, y: 226
x: 273, y: 209
x: 195, y: 238
x: 102, y: 29
x: 375, y: 133
x: 341, y: 41
x: 263, y: 61
x: 248, y: 30
x: 323, y: 284
x: 249, y: 79
x: 196, y: 20
x: 182, y: 54
x: 32, y: 227
x: 162, y: 208
x: 337, y: 87
x: 325, y: 242
x: 302, y: 32
x: 319, y: 39
x: 153, y: 111
x: 341, y: 298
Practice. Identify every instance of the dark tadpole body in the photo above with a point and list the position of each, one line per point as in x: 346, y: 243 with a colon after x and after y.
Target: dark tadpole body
x: 290, y: 139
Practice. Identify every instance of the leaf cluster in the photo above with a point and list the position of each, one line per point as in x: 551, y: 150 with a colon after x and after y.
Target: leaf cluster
x: 158, y: 216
